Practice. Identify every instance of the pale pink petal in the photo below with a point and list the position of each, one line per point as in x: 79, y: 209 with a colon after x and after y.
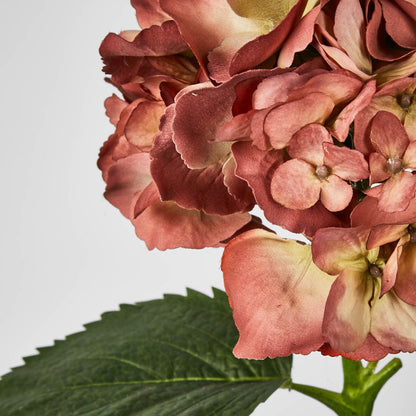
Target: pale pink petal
x: 346, y: 323
x: 126, y: 180
x: 393, y: 323
x: 346, y: 163
x: 307, y: 144
x: 336, y: 194
x: 397, y: 192
x: 378, y: 168
x: 143, y: 124
x: 406, y: 276
x: 334, y: 249
x: 337, y: 59
x: 295, y: 185
x: 278, y: 295
x: 164, y: 225
x: 388, y: 135
x: 284, y: 121
x: 349, y: 29
x: 398, y: 69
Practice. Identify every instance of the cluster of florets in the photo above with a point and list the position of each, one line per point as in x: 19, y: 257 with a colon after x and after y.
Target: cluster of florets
x: 306, y: 109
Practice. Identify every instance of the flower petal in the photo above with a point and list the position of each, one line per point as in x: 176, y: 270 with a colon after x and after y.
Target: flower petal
x: 346, y: 163
x: 334, y: 249
x: 371, y: 350
x: 397, y: 192
x: 165, y: 225
x: 295, y: 185
x: 278, y: 295
x: 388, y: 135
x: 336, y: 194
x: 346, y: 323
x: 257, y: 167
x: 393, y: 323
x: 406, y: 275
x: 284, y: 121
x: 307, y: 144
x: 349, y: 29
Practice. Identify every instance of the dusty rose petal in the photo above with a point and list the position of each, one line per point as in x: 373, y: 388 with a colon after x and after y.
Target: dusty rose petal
x: 349, y: 29
x: 393, y: 323
x: 256, y: 51
x: 340, y: 128
x: 236, y: 186
x: 154, y: 41
x: 334, y: 249
x: 275, y: 90
x: 346, y: 323
x: 126, y: 179
x: 143, y: 124
x: 406, y: 276
x: 388, y: 135
x: 385, y: 233
x: 257, y: 167
x: 341, y: 86
x: 399, y: 25
x: 238, y: 128
x: 149, y: 13
x: 299, y: 38
x: 346, y: 163
x: 202, y: 189
x: 164, y: 225
x: 307, y: 144
x: 200, y: 111
x: 388, y: 278
x: 397, y: 192
x: 336, y: 194
x: 284, y: 121
x: 113, y: 108
x: 368, y: 213
x: 338, y: 59
x: 371, y: 350
x: 197, y: 18
x: 378, y: 171
x: 278, y: 295
x: 295, y: 185
x: 376, y: 39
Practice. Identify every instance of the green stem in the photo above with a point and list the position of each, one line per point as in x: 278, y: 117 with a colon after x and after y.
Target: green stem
x: 361, y: 387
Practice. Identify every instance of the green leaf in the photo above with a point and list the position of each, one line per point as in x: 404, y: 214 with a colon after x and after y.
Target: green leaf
x: 164, y: 357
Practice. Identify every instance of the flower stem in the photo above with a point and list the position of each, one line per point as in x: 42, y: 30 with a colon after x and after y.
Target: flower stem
x: 361, y: 387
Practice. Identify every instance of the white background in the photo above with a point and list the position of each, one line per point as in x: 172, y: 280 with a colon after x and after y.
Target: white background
x: 66, y: 254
